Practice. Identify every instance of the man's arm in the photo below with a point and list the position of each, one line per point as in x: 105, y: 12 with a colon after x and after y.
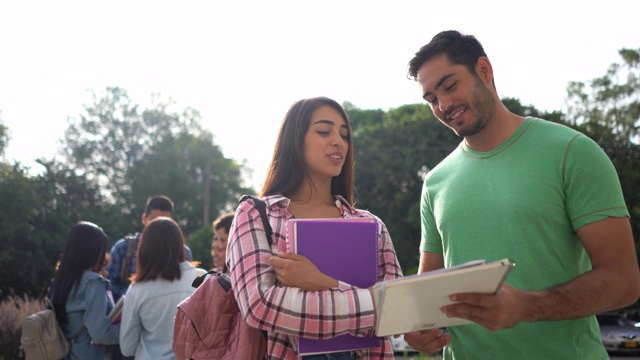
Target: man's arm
x: 613, y: 282
x: 430, y: 261
x: 113, y: 270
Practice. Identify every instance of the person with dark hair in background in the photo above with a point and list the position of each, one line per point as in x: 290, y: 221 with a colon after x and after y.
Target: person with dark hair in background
x: 221, y: 227
x: 79, y: 294
x: 162, y: 280
x: 123, y: 252
x: 311, y: 176
x: 539, y: 193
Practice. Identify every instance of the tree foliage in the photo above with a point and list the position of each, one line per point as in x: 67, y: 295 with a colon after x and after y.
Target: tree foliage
x: 4, y: 137
x: 200, y: 244
x: 114, y: 133
x: 135, y: 153
x: 35, y: 215
x: 394, y: 151
x: 193, y: 172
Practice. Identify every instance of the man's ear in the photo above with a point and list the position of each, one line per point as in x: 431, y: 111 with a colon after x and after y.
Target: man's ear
x: 144, y: 219
x: 484, y: 69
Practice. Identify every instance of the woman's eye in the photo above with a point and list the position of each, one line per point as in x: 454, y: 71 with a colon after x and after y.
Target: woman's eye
x: 323, y: 132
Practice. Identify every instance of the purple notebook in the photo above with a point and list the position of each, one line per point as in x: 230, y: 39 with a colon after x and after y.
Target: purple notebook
x: 345, y: 249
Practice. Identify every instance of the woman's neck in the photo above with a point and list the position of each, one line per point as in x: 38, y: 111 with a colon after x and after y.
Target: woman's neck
x: 310, y: 201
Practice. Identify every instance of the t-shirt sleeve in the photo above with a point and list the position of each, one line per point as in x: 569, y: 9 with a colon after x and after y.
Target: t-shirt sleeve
x: 592, y: 186
x: 430, y: 239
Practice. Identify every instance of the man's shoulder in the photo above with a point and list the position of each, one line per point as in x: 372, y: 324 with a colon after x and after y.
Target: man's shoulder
x: 553, y: 131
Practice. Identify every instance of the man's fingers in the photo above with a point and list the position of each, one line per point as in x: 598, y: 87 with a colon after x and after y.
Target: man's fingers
x: 428, y: 341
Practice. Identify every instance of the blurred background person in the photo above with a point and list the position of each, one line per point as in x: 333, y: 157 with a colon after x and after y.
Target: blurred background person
x: 221, y: 227
x: 121, y: 267
x: 80, y: 295
x: 162, y: 280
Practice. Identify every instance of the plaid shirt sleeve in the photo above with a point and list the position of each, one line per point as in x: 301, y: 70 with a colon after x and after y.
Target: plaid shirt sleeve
x: 116, y: 256
x: 290, y: 312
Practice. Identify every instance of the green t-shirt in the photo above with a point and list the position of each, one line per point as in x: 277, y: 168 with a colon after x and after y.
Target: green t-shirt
x: 523, y: 201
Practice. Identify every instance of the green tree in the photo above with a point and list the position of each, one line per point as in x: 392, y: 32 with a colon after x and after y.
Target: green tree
x: 194, y: 173
x: 200, y: 244
x: 134, y: 153
x: 4, y: 137
x: 20, y: 257
x: 35, y: 216
x: 114, y: 133
x: 394, y: 151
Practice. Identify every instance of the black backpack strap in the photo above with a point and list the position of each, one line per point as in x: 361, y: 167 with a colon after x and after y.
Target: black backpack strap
x: 261, y: 206
x: 132, y: 246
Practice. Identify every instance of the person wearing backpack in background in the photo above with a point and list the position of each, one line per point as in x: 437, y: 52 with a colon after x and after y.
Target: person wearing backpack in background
x: 311, y: 176
x: 123, y: 252
x: 79, y: 294
x: 221, y: 227
x: 162, y: 280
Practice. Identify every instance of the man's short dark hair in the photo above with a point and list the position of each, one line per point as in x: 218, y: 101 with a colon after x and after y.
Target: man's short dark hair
x: 460, y: 49
x: 160, y: 203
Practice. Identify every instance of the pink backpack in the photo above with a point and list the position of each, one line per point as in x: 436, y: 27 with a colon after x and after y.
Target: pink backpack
x: 209, y: 325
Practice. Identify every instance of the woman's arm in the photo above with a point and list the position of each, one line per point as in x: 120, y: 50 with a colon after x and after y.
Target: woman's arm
x: 95, y: 319
x: 131, y: 325
x: 389, y: 265
x: 268, y: 306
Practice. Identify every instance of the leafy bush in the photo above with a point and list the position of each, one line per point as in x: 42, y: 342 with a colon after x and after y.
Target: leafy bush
x: 200, y: 244
x: 13, y: 310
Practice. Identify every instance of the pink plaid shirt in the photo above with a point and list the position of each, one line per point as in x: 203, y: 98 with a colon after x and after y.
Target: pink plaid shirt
x: 286, y: 312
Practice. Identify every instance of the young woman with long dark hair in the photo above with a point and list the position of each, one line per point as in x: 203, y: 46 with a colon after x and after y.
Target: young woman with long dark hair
x: 80, y: 294
x: 311, y: 176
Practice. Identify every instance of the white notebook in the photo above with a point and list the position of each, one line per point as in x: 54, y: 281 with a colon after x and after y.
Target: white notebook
x: 413, y: 303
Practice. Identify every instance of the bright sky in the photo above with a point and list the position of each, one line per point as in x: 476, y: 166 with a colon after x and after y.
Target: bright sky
x: 243, y: 63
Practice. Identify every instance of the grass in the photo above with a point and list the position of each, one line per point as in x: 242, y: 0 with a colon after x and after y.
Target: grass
x: 13, y: 310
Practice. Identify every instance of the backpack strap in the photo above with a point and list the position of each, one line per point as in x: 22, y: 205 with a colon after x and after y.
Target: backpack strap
x: 81, y: 328
x: 261, y: 206
x: 125, y: 270
x: 224, y: 279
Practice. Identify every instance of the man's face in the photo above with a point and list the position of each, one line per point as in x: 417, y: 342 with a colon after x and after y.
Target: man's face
x: 462, y: 101
x: 219, y: 248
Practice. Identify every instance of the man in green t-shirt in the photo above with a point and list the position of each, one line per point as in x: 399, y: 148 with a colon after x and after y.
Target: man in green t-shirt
x: 539, y: 193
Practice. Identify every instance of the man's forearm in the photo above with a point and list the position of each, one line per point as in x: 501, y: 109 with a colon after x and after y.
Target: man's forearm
x: 591, y: 293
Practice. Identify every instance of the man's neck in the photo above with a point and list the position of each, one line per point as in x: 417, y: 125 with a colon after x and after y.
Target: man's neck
x: 496, y: 132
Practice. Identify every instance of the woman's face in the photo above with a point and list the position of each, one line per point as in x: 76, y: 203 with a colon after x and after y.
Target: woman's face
x: 326, y: 143
x: 219, y: 247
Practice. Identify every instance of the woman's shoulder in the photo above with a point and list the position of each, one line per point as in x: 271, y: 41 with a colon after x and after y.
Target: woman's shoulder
x: 361, y: 213
x: 90, y: 282
x: 91, y: 277
x: 270, y: 201
x: 353, y: 212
